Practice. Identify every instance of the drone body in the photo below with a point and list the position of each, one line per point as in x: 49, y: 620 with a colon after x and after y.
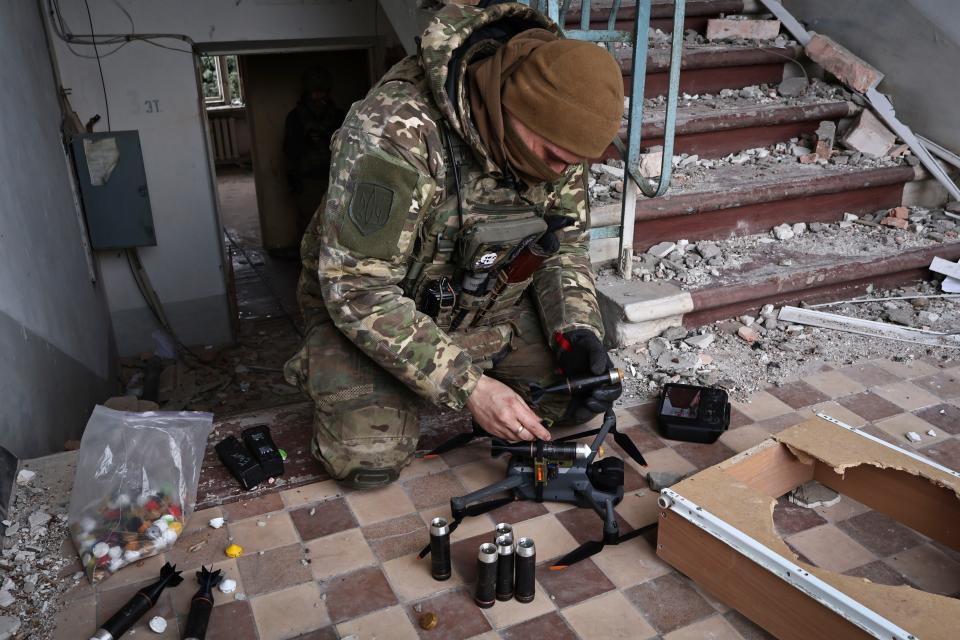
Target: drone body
x: 559, y: 471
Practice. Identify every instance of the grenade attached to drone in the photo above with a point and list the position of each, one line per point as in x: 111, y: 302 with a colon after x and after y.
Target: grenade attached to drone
x: 576, y: 386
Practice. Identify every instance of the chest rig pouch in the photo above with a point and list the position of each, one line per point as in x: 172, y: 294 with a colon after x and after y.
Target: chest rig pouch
x: 486, y: 245
x: 455, y: 275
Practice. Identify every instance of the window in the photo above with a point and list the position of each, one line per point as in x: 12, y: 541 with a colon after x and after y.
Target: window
x: 221, y: 81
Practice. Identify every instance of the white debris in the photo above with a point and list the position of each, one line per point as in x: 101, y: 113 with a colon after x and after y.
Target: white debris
x: 38, y: 519
x: 931, y: 433
x: 850, y: 217
x: 9, y: 625
x: 747, y: 320
x: 25, y: 476
x: 913, y: 436
x: 662, y: 250
x: 783, y: 232
x: 228, y: 585
x: 216, y: 523
x: 700, y: 341
x: 158, y: 624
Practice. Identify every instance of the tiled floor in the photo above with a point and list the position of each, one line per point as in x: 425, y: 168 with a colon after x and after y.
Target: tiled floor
x: 320, y: 562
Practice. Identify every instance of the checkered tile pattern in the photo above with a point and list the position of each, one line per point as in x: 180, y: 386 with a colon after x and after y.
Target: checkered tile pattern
x: 321, y: 562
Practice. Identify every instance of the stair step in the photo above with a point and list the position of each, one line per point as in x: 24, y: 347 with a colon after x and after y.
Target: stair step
x: 812, y: 279
x: 713, y: 132
x: 635, y: 311
x: 733, y: 201
x: 696, y: 14
x: 708, y: 68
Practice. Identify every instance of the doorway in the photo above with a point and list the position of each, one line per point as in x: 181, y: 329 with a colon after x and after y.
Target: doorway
x: 248, y: 98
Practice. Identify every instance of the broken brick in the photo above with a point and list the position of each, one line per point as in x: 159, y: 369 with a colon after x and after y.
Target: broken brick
x: 899, y: 212
x: 826, y: 136
x: 869, y: 136
x: 841, y: 62
x: 748, y: 334
x: 895, y: 222
x: 725, y: 28
x: 809, y: 158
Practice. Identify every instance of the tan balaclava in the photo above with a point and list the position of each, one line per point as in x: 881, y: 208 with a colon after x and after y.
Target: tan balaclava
x: 568, y: 91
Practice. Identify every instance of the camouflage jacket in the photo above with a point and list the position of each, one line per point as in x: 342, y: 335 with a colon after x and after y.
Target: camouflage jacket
x: 391, y: 216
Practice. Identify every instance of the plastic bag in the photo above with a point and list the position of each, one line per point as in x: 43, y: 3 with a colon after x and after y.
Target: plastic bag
x: 135, y: 486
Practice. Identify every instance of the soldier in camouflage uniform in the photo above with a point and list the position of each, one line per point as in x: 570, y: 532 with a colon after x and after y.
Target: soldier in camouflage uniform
x: 419, y: 224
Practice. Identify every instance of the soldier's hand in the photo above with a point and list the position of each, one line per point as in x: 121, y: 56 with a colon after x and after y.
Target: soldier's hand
x: 500, y: 411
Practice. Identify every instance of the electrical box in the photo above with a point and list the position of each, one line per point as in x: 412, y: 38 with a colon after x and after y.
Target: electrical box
x: 113, y: 186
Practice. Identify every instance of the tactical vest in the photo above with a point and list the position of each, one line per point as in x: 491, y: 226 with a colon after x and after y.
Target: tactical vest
x: 479, y: 225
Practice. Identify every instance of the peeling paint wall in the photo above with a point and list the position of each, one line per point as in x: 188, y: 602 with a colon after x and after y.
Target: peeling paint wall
x: 916, y: 43
x: 55, y: 337
x: 154, y: 90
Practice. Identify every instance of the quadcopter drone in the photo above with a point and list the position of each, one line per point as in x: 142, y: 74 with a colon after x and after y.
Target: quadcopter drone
x: 558, y: 471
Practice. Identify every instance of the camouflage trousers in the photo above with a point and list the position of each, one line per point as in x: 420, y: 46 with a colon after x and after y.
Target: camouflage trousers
x: 367, y: 424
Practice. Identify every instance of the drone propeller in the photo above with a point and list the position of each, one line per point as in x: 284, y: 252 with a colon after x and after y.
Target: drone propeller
x: 470, y: 512
x: 593, y: 547
x: 457, y: 441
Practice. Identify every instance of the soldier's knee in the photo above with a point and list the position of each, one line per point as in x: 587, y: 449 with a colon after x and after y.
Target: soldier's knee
x: 366, y: 448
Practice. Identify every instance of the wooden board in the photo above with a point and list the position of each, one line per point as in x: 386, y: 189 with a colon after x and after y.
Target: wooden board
x: 739, y: 496
x: 746, y: 586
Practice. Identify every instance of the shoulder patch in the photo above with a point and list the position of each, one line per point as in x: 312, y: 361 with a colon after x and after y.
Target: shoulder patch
x: 378, y: 211
x: 370, y: 207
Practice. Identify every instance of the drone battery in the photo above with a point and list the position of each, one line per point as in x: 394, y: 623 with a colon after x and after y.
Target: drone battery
x: 505, y: 568
x: 241, y: 464
x: 485, y: 595
x: 692, y: 413
x: 526, y: 585
x: 261, y: 444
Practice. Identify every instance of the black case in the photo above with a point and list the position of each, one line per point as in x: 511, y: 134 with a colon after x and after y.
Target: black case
x: 241, y: 464
x: 708, y: 412
x: 261, y: 445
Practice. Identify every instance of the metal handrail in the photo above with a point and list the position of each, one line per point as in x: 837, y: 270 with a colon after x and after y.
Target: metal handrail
x: 630, y: 152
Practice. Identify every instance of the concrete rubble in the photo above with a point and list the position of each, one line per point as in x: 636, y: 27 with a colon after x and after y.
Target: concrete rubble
x: 754, y: 351
x: 35, y: 564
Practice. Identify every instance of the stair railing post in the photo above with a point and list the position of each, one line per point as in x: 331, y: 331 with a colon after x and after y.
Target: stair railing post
x: 633, y: 182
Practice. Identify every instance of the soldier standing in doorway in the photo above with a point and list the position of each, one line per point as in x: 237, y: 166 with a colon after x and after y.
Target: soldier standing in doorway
x: 450, y: 262
x: 306, y: 143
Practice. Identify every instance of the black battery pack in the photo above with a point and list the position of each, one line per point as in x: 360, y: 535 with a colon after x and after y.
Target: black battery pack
x: 241, y: 464
x: 261, y: 445
x: 693, y: 414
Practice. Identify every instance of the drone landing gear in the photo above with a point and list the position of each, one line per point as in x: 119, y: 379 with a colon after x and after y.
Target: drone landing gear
x: 558, y: 471
x: 611, y: 536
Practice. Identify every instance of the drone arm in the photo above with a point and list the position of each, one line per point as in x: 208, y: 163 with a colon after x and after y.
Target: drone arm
x: 609, y: 420
x: 460, y: 504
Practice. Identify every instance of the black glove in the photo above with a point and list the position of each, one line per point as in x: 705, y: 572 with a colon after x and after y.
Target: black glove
x: 580, y: 353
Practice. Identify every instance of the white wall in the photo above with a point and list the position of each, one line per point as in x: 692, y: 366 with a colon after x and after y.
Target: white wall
x: 916, y: 43
x: 186, y: 266
x: 55, y: 338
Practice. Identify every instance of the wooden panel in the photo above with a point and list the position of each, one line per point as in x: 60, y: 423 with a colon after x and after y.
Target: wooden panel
x: 772, y: 471
x: 916, y: 502
x: 746, y: 586
x: 757, y: 218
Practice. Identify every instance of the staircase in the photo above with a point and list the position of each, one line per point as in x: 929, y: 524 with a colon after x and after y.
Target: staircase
x: 731, y: 201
